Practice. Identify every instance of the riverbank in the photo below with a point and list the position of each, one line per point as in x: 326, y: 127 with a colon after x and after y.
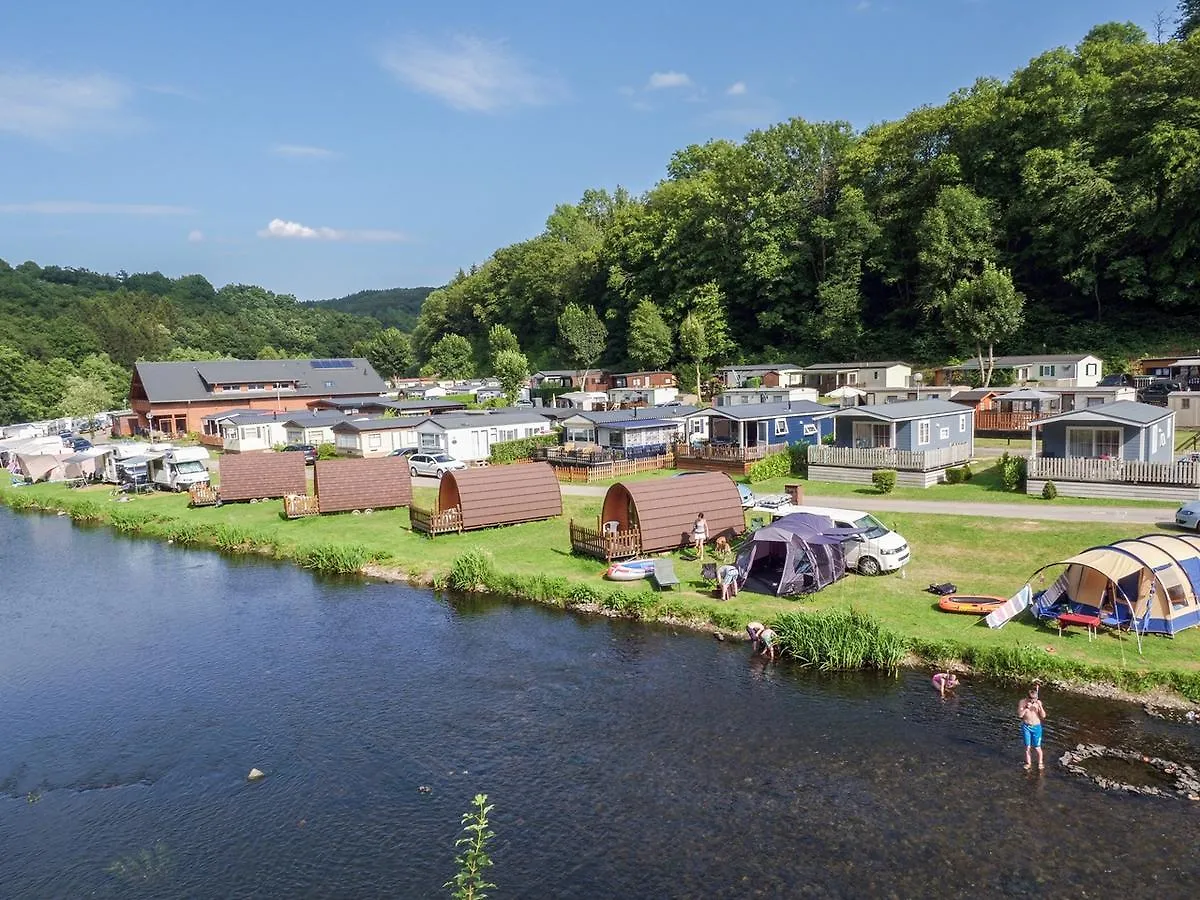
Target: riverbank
x: 533, y: 562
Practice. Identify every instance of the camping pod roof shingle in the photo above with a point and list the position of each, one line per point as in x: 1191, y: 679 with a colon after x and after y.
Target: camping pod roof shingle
x: 665, y: 508
x: 501, y: 495
x: 345, y: 484
x: 251, y: 476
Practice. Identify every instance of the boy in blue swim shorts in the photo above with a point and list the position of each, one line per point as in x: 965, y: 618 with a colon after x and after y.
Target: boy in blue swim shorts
x: 1031, y: 713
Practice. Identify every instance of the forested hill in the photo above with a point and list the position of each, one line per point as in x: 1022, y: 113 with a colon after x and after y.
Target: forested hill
x: 394, y: 307
x: 1079, y: 175
x: 60, y: 323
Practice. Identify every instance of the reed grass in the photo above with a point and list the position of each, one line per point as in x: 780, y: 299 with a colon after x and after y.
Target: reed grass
x: 335, y: 559
x: 472, y: 570
x: 840, y: 640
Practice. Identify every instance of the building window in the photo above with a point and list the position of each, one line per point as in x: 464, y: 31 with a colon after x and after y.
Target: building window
x: 696, y: 426
x: 962, y: 423
x: 374, y: 441
x: 923, y: 432
x: 780, y: 427
x: 254, y: 387
x: 329, y: 384
x: 1045, y: 371
x: 1185, y: 403
x: 872, y: 434
x: 851, y: 378
x: 1094, y: 443
x: 944, y: 433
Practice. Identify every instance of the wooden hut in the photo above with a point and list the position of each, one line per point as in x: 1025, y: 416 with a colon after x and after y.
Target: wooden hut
x: 346, y: 484
x: 258, y: 476
x: 496, y: 495
x: 662, y: 510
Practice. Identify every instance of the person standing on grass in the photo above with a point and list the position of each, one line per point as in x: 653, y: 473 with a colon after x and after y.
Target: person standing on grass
x: 1031, y: 713
x: 699, y: 535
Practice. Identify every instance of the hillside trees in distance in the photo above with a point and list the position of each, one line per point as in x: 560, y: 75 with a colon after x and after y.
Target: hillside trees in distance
x: 1079, y: 175
x: 391, y: 307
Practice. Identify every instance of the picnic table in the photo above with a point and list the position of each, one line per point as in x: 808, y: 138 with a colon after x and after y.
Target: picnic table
x: 1091, y: 623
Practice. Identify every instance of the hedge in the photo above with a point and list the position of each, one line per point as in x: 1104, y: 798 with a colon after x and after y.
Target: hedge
x: 521, y: 448
x: 777, y: 465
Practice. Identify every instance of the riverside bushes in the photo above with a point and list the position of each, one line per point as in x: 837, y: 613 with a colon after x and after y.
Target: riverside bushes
x: 840, y: 640
x: 335, y: 559
x: 471, y: 570
x: 777, y: 465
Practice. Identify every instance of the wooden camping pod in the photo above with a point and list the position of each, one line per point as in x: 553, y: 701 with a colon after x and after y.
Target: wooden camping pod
x: 256, y: 476
x: 663, y: 509
x: 346, y: 484
x: 501, y: 495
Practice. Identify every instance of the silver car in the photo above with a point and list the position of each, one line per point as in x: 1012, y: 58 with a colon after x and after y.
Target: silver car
x: 1188, y: 515
x: 433, y: 464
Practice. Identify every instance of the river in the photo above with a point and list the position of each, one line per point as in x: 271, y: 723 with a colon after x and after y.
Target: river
x: 140, y: 682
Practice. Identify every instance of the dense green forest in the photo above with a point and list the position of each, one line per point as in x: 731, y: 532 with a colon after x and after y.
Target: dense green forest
x: 68, y: 336
x: 392, y: 308
x: 1077, y: 180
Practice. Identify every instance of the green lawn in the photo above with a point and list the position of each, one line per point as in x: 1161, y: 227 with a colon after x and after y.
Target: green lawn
x: 980, y: 555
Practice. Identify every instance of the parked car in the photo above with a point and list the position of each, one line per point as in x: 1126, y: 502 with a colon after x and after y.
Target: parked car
x: 79, y: 443
x: 1156, y: 391
x: 405, y: 451
x: 1117, y: 379
x: 433, y: 464
x: 309, y: 451
x: 1188, y: 515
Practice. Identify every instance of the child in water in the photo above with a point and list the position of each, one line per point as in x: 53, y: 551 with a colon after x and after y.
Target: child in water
x: 944, y: 681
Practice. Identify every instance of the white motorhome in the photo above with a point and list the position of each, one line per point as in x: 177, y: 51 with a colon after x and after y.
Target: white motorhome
x: 179, y: 469
x: 875, y: 551
x: 128, y: 464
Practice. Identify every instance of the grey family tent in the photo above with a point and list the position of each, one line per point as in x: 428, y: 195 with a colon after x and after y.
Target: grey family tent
x: 796, y: 554
x: 1151, y: 582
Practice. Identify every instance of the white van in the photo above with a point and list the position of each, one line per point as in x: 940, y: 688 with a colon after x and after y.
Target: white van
x: 179, y: 469
x: 877, y: 550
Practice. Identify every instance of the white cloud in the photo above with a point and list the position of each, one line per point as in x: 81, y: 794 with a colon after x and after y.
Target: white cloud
x: 863, y: 6
x: 50, y: 107
x: 302, y: 151
x: 281, y: 228
x: 660, y: 80
x: 84, y: 208
x: 470, y: 74
x: 737, y: 89
x: 195, y: 236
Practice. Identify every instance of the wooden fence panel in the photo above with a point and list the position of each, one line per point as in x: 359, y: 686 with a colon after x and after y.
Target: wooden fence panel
x: 887, y: 458
x: 614, y: 545
x: 1116, y: 471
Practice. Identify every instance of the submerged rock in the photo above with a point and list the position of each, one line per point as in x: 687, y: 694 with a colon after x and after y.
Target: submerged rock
x: 256, y: 774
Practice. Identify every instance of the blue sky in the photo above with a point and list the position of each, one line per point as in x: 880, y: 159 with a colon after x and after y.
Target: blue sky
x: 323, y: 148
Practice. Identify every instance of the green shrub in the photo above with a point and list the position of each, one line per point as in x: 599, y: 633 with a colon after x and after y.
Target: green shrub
x: 129, y: 520
x: 884, y: 480
x: 777, y: 465
x: 230, y: 537
x: 799, y: 454
x: 327, y: 451
x: 642, y: 605
x: 967, y: 474
x: 954, y: 475
x: 335, y: 559
x: 472, y: 569
x: 1012, y: 471
x: 522, y: 448
x: 1049, y: 491
x: 583, y: 595
x: 840, y: 640
x: 85, y: 511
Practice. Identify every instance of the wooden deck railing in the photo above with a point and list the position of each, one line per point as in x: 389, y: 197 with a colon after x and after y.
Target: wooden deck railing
x: 1115, y: 471
x: 607, y: 546
x: 887, y: 458
x: 998, y: 420
x: 594, y: 455
x: 433, y: 521
x: 296, y: 506
x: 725, y: 452
x: 617, y: 468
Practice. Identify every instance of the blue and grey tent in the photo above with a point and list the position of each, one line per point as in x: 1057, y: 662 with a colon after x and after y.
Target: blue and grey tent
x: 1151, y: 583
x: 796, y: 554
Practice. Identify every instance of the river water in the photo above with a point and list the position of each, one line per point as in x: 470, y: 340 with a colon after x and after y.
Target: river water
x: 139, y: 683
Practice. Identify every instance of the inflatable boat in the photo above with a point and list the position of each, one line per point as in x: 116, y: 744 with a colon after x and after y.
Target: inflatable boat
x: 971, y: 604
x: 630, y: 570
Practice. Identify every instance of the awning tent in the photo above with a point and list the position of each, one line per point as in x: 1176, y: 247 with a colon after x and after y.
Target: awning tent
x: 40, y: 467
x: 84, y: 464
x: 1155, y: 579
x: 796, y: 554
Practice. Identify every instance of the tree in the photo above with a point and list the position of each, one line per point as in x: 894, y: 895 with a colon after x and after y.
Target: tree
x: 84, y: 398
x: 1189, y: 18
x: 704, y: 332
x: 583, y: 335
x: 983, y: 310
x: 512, y: 368
x: 468, y: 882
x: 693, y: 342
x: 389, y: 352
x: 500, y: 337
x: 955, y: 237
x: 650, y: 344
x: 451, y: 357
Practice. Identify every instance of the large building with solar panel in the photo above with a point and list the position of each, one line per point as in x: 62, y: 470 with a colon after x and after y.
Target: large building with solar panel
x: 173, y: 398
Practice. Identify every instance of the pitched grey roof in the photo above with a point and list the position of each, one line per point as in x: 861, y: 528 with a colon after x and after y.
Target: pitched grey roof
x: 900, y: 412
x: 1127, y: 412
x: 748, y: 412
x: 831, y: 367
x: 604, y: 416
x: 1005, y: 362
x: 975, y: 393
x: 378, y: 423
x: 484, y: 420
x: 634, y: 424
x: 760, y: 367
x: 174, y: 381
x: 316, y: 419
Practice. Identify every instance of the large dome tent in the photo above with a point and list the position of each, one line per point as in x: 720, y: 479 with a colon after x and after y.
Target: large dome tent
x: 1151, y: 582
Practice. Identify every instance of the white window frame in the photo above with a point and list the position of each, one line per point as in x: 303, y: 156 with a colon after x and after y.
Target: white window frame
x: 873, y: 434
x: 924, y: 432
x: 374, y: 440
x: 962, y: 423
x: 781, y: 427
x: 1046, y: 371
x: 1092, y: 432
x: 943, y: 433
x: 1089, y: 369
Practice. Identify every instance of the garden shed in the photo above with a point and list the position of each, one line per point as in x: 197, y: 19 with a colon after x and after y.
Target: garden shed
x: 663, y: 509
x: 346, y: 484
x: 500, y: 495
x: 257, y: 476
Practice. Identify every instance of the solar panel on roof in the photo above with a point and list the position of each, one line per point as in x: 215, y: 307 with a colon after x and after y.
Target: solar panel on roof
x: 331, y: 363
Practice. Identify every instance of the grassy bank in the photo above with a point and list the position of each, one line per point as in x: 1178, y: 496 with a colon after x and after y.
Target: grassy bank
x: 533, y: 561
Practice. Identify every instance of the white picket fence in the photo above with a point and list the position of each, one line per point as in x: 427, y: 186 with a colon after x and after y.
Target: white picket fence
x: 887, y: 458
x: 1119, y: 471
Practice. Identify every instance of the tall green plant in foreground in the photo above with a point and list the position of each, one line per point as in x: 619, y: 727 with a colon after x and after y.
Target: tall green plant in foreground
x: 840, y: 640
x: 471, y: 570
x: 469, y: 883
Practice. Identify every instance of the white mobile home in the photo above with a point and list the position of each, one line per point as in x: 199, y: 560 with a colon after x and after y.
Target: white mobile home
x: 469, y: 436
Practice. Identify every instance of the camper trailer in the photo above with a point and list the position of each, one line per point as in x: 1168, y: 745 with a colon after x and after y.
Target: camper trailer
x: 128, y: 465
x: 179, y: 469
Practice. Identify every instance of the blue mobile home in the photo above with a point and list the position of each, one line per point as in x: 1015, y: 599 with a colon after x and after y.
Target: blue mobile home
x: 1125, y: 430
x: 768, y: 426
x: 916, y: 425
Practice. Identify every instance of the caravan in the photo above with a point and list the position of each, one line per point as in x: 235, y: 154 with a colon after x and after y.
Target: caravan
x: 179, y: 469
x: 128, y: 465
